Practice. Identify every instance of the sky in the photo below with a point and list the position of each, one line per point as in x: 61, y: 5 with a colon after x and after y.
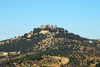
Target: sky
x: 81, y: 17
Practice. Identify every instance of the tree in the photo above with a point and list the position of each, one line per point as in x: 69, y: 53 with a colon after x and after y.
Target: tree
x: 98, y: 65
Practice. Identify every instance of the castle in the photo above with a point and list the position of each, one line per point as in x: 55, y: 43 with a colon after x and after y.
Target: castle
x: 48, y: 26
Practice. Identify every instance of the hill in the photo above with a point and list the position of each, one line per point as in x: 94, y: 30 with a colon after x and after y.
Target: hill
x: 49, y: 40
x: 28, y: 40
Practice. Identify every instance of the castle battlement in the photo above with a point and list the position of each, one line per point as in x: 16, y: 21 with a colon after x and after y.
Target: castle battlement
x: 48, y: 26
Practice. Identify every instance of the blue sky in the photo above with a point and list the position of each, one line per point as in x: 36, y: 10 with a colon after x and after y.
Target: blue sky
x: 18, y: 17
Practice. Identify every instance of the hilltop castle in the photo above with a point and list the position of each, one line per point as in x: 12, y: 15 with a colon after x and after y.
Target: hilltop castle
x: 48, y: 26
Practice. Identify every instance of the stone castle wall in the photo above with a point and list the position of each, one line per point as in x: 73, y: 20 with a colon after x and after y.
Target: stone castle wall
x: 48, y: 26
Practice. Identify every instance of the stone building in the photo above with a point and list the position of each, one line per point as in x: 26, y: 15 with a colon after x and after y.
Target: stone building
x: 48, y: 26
x: 1, y: 43
x: 55, y: 27
x: 43, y: 26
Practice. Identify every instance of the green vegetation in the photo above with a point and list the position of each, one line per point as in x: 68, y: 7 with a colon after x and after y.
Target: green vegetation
x: 74, y: 61
x: 27, y: 57
x: 90, y: 62
x: 22, y: 45
x: 98, y: 65
x: 63, y: 48
x: 70, y: 36
x: 83, y: 57
x: 1, y: 57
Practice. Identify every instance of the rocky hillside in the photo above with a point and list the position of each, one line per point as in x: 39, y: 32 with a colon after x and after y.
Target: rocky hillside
x: 53, y: 41
x: 35, y: 39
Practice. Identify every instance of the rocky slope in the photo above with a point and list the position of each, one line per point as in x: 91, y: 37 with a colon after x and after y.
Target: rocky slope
x: 50, y: 41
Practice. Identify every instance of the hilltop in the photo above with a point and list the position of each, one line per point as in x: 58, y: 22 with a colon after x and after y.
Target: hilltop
x: 46, y: 42
x: 42, y: 30
x: 32, y: 38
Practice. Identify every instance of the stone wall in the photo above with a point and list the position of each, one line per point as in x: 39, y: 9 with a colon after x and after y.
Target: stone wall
x: 48, y: 26
x: 1, y: 43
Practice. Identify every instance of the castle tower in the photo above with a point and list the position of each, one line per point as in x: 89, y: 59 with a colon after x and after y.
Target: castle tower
x: 55, y: 27
x: 46, y: 26
x: 43, y: 26
x: 51, y: 27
